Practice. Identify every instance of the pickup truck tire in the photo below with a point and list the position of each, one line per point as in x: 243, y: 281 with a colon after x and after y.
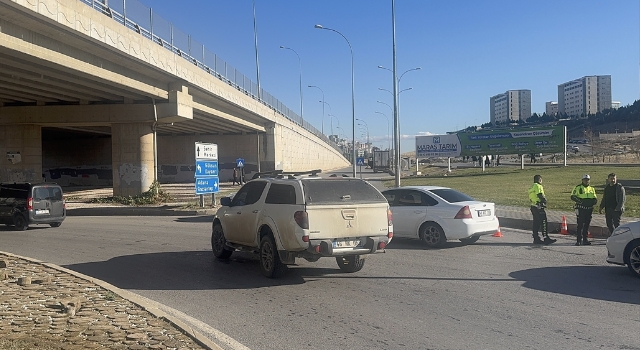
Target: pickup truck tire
x: 219, y: 243
x: 270, y: 263
x: 350, y: 263
x: 432, y: 235
x: 20, y: 222
x: 470, y: 240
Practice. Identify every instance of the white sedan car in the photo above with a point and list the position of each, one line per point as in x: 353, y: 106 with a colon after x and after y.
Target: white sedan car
x: 623, y: 246
x: 435, y: 214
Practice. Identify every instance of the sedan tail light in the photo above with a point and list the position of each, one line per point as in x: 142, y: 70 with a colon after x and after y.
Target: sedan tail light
x: 464, y: 213
x: 302, y: 219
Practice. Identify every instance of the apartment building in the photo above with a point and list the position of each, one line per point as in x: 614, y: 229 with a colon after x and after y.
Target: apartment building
x: 511, y: 105
x: 551, y: 108
x: 584, y: 96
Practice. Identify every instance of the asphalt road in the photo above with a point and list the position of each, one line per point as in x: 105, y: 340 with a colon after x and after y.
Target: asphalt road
x: 500, y: 293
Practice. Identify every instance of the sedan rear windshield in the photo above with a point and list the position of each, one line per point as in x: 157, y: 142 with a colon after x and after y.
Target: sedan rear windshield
x: 340, y: 191
x: 452, y: 196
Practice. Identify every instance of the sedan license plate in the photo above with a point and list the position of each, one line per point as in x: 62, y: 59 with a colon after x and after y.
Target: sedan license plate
x: 346, y: 243
x: 42, y: 211
x: 485, y: 212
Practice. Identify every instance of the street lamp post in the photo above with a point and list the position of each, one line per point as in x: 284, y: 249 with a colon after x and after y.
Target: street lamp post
x: 313, y: 86
x: 353, y: 97
x: 366, y: 126
x: 300, y: 66
x: 331, y: 120
x: 388, y: 129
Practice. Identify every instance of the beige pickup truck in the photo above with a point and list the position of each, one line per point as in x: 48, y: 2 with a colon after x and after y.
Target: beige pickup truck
x: 283, y: 216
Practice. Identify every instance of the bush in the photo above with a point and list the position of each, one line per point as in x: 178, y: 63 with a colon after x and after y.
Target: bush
x: 155, y: 195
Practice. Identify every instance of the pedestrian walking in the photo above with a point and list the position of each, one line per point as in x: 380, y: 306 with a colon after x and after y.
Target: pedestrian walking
x: 584, y: 196
x: 613, y: 202
x: 235, y: 177
x: 538, y: 205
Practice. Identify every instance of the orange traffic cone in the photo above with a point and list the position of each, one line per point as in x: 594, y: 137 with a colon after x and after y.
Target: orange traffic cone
x: 498, y: 233
x: 563, y: 226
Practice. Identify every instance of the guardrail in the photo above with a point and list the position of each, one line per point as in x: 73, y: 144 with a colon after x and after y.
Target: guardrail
x: 141, y: 19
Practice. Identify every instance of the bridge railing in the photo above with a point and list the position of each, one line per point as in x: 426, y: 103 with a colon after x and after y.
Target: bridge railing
x: 141, y: 19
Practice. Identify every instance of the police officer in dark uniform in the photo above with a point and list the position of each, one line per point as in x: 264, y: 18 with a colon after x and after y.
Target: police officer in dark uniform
x: 584, y: 196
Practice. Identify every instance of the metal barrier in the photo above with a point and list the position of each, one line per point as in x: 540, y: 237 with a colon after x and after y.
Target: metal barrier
x: 141, y: 19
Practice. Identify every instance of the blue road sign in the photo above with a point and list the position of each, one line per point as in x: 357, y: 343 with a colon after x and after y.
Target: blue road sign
x: 206, y: 185
x: 206, y: 168
x: 360, y: 161
x: 240, y: 163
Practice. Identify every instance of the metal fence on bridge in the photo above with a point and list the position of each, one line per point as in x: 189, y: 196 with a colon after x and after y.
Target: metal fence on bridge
x: 141, y: 19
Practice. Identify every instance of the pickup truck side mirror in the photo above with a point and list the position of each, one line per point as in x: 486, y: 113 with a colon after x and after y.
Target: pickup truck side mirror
x: 225, y: 201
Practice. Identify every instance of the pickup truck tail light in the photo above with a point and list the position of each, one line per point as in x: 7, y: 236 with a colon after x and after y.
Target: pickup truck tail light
x: 390, y: 222
x: 464, y: 213
x: 29, y: 203
x: 302, y: 219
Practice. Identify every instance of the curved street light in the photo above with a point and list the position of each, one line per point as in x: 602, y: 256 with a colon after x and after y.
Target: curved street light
x: 353, y: 98
x: 331, y: 120
x: 388, y: 128
x: 300, y: 66
x: 317, y: 87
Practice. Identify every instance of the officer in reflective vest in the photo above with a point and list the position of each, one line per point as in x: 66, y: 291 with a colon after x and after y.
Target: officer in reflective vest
x: 538, y: 203
x: 585, y: 198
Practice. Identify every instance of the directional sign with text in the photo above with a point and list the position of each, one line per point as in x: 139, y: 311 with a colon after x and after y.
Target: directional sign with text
x: 206, y: 185
x: 206, y: 151
x: 206, y: 168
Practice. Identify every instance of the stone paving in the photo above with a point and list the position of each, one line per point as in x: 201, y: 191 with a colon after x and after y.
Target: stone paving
x: 43, y: 304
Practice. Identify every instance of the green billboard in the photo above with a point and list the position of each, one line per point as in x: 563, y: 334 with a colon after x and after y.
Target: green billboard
x: 513, y: 141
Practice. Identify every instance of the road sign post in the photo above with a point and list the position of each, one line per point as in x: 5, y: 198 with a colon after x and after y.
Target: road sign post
x: 206, y: 171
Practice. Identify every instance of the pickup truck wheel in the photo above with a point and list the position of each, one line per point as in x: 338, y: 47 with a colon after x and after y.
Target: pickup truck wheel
x: 219, y: 243
x: 432, y: 235
x: 470, y: 240
x: 350, y: 263
x: 20, y: 222
x: 270, y: 262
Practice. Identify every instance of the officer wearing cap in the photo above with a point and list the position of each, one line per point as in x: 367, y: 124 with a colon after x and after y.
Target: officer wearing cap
x: 584, y: 196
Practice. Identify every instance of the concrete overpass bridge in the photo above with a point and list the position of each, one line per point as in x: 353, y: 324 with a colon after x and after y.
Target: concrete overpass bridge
x: 86, y: 100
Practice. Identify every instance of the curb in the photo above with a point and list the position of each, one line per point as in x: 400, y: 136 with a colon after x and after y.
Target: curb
x: 524, y: 224
x: 146, y: 304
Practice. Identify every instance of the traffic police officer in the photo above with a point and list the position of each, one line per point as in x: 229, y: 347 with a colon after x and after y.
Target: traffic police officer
x: 585, y: 198
x: 538, y: 203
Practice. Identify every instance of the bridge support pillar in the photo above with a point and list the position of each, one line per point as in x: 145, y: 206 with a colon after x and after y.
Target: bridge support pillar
x: 132, y: 158
x: 20, y: 153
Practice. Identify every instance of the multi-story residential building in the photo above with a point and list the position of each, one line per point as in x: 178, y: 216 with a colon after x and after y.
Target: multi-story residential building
x: 512, y: 105
x: 615, y: 104
x: 551, y: 108
x: 585, y: 96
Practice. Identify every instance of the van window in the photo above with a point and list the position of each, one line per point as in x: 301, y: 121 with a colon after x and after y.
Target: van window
x: 53, y: 193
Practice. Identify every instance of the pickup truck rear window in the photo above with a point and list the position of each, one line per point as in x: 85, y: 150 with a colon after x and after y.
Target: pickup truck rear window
x: 340, y: 191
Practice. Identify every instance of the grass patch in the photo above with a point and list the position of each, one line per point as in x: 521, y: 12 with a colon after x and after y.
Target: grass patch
x: 155, y: 195
x: 509, y: 185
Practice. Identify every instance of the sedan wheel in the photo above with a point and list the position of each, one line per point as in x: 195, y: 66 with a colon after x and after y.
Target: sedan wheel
x: 219, y: 243
x: 432, y: 235
x: 634, y: 259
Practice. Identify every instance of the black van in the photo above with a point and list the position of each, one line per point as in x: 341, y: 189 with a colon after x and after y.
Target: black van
x: 24, y: 204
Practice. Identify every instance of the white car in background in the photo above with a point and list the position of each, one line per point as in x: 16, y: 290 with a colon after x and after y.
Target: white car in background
x: 435, y: 214
x: 623, y: 247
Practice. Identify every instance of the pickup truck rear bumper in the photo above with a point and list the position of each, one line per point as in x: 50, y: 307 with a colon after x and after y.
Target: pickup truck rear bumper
x: 368, y: 245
